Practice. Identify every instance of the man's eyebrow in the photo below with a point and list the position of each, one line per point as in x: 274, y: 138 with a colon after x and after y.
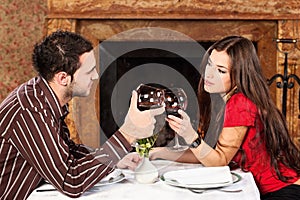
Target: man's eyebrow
x: 91, y: 69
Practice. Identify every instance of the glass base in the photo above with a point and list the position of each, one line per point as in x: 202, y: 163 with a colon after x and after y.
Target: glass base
x: 178, y: 148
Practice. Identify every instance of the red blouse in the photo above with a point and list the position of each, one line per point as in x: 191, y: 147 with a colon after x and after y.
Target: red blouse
x: 241, y: 111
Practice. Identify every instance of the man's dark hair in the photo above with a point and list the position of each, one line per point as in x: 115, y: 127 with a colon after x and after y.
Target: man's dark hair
x: 58, y: 52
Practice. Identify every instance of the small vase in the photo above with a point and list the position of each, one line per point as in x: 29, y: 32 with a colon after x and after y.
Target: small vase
x: 146, y: 172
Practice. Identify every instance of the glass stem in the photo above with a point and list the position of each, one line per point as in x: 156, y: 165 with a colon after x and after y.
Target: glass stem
x: 176, y: 141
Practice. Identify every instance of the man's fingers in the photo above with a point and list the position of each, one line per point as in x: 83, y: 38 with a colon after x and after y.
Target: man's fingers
x: 136, y: 157
x: 133, y: 100
x: 134, y: 161
x: 157, y: 111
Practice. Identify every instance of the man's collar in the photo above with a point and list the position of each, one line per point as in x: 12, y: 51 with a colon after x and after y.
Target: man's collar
x: 53, y: 102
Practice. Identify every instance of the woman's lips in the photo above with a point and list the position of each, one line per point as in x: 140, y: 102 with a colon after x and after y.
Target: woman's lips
x: 207, y: 83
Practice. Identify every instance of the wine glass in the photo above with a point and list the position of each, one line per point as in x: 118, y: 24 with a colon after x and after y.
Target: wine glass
x: 150, y: 97
x: 175, y: 99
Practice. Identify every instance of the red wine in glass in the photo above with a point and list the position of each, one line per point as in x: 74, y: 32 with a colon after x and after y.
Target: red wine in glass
x: 175, y: 99
x: 149, y: 97
x: 173, y: 111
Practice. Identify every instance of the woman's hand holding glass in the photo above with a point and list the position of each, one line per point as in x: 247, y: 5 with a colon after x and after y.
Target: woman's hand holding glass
x: 182, y: 126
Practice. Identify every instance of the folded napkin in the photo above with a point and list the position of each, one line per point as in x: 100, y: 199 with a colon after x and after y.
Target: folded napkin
x: 200, y: 176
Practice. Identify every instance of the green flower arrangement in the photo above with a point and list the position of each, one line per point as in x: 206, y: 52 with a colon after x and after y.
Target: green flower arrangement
x: 144, y: 145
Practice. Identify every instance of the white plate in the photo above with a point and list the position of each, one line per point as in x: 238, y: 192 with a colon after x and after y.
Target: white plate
x: 200, y: 178
x: 235, y: 177
x: 114, y: 177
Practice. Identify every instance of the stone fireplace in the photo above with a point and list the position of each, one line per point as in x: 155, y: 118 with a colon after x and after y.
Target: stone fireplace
x: 100, y: 20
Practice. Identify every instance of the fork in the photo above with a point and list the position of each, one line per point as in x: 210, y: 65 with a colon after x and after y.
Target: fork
x: 200, y: 191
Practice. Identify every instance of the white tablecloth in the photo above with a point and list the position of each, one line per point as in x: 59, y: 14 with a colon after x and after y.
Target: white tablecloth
x: 129, y: 189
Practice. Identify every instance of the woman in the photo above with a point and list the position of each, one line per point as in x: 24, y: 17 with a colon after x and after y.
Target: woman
x: 253, y: 133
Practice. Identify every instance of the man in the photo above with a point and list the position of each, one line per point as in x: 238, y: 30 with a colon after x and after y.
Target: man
x: 34, y: 139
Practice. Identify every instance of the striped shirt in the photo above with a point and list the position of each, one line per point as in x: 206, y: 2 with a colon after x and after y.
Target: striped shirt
x: 35, y: 146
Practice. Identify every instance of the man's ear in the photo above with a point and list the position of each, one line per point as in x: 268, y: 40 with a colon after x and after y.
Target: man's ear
x: 62, y: 78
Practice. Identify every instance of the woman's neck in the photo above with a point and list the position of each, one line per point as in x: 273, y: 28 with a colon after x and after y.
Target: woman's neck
x: 227, y: 96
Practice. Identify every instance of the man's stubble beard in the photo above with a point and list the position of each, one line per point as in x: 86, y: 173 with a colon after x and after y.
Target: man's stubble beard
x: 68, y: 94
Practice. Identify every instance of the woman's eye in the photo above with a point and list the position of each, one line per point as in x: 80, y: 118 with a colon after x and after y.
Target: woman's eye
x: 221, y: 71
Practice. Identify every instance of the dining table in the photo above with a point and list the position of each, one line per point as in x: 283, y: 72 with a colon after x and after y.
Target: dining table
x: 124, y: 186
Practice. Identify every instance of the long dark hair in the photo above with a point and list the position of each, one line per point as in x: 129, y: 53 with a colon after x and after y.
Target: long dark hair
x: 246, y: 74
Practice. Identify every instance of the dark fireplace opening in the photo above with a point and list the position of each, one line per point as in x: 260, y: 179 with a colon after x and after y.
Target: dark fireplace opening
x: 171, y: 64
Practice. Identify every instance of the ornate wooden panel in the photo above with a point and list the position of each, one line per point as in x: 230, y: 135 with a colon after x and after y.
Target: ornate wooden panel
x: 175, y: 9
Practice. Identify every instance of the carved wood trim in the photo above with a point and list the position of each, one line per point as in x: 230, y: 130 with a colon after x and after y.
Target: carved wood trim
x: 174, y: 9
x: 54, y: 24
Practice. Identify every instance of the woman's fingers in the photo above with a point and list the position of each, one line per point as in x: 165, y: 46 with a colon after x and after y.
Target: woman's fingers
x: 179, y: 125
x: 175, y: 123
